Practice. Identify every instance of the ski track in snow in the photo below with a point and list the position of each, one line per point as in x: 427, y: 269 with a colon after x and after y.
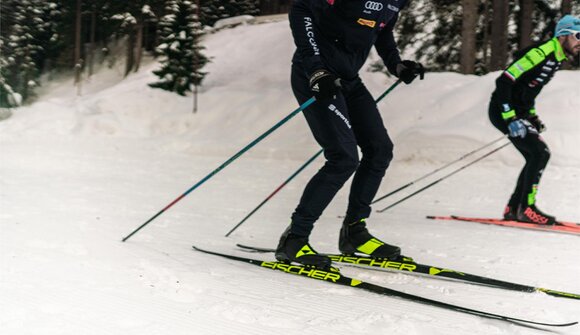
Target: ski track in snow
x: 79, y: 173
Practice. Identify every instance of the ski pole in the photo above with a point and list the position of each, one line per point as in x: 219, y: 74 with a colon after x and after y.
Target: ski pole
x: 226, y: 163
x: 392, y: 87
x: 276, y: 191
x: 437, y: 170
x: 444, y: 177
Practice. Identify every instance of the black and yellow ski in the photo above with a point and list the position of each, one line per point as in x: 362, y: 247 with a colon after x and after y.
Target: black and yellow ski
x: 335, y: 277
x: 409, y: 266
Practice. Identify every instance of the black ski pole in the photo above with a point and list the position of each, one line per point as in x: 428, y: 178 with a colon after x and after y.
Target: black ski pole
x: 437, y: 170
x: 444, y: 177
x: 226, y: 163
x: 300, y: 169
x: 276, y: 191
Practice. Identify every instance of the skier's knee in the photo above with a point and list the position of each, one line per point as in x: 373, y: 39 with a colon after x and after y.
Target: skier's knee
x: 348, y: 165
x: 545, y: 155
x: 344, y: 163
x: 379, y: 155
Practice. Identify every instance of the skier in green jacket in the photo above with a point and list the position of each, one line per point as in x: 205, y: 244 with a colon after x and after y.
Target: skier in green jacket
x: 512, y: 111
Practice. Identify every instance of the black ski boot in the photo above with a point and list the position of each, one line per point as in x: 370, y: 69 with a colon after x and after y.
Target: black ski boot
x: 354, y: 237
x: 531, y: 214
x: 510, y: 213
x: 293, y: 248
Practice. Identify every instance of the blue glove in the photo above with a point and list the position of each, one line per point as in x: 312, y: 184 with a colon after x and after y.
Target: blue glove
x: 521, y: 128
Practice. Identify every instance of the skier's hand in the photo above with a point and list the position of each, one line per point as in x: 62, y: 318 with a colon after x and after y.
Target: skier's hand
x: 408, y: 70
x: 537, y: 123
x: 521, y: 128
x: 324, y: 85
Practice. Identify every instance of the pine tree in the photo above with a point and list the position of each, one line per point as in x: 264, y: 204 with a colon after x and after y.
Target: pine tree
x: 131, y: 17
x: 22, y: 28
x: 214, y: 10
x: 433, y: 30
x: 241, y: 7
x: 182, y: 59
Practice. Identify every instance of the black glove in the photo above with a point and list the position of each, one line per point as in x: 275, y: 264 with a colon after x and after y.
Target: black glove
x: 408, y: 70
x: 537, y: 123
x: 324, y: 85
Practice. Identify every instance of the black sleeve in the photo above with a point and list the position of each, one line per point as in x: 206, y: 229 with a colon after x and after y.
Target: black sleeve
x: 305, y: 33
x: 387, y: 47
x: 504, y: 87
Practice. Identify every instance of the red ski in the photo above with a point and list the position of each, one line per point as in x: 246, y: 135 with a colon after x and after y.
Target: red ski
x: 559, y: 227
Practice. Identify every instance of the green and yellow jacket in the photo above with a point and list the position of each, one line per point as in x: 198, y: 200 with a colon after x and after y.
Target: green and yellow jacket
x: 519, y: 85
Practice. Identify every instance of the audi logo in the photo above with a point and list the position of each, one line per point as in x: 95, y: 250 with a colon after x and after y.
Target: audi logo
x: 372, y: 5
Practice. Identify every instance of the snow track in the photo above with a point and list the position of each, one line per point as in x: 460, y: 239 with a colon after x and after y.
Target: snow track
x: 79, y: 173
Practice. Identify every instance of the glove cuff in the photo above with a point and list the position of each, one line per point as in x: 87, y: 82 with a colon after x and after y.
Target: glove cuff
x: 509, y: 116
x: 317, y: 75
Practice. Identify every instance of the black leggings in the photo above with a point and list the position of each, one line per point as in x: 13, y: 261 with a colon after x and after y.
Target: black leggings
x: 339, y: 126
x: 536, y: 153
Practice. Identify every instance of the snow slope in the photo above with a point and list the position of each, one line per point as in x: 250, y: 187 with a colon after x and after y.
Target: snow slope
x: 78, y: 173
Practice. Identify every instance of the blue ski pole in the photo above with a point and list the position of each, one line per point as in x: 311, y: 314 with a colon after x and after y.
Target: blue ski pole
x: 226, y: 163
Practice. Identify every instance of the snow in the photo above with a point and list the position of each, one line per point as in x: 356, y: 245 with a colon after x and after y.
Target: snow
x: 233, y: 21
x: 79, y: 173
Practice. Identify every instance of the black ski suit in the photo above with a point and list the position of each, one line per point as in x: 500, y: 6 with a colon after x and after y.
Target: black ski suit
x: 337, y: 36
x: 514, y: 98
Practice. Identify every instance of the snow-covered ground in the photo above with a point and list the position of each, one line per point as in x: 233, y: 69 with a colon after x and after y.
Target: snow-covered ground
x: 77, y: 174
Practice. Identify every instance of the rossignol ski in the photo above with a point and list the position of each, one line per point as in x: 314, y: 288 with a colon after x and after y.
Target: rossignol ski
x: 559, y: 227
x: 411, y: 267
x: 335, y: 277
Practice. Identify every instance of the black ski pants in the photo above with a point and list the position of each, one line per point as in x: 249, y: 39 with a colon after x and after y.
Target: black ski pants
x: 536, y: 154
x: 340, y: 125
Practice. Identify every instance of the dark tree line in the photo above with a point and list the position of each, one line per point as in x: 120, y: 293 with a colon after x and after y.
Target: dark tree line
x: 39, y: 36
x: 477, y: 36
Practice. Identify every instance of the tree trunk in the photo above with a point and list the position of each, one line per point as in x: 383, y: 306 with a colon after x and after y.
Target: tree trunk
x: 130, y: 52
x: 197, y: 14
x: 526, y: 13
x: 138, y: 44
x: 91, y: 53
x: 77, y: 57
x: 566, y: 7
x: 485, y: 47
x: 468, y: 32
x: 499, y: 35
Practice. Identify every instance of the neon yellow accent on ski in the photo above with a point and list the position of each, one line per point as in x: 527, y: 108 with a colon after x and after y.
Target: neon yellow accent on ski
x: 355, y: 282
x: 559, y: 293
x: 435, y: 271
x: 370, y: 246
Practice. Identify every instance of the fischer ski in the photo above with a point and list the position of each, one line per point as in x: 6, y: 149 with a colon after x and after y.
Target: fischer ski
x: 335, y: 277
x: 411, y: 267
x: 559, y: 227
